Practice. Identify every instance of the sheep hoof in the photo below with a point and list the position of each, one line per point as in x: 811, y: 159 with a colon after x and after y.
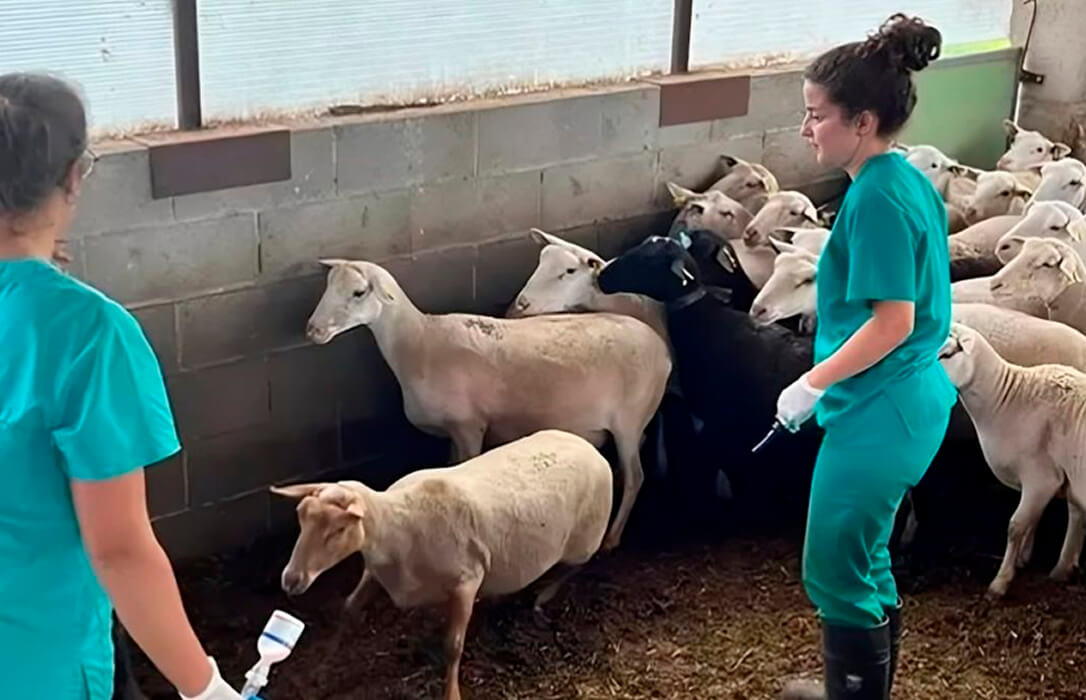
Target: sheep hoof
x: 1062, y: 573
x: 996, y: 591
x: 609, y: 543
x: 542, y: 620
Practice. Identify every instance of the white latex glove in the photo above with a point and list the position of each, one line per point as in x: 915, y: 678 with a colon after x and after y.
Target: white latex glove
x: 796, y: 403
x: 217, y: 689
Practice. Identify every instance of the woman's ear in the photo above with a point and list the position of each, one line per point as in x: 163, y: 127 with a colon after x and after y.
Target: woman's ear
x: 72, y: 184
x: 865, y: 122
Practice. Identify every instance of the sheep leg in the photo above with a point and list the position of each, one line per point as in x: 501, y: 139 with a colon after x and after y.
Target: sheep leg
x: 363, y: 593
x: 1035, y: 496
x: 467, y: 441
x: 632, y: 477
x: 460, y: 605
x: 563, y: 574
x: 1072, y: 542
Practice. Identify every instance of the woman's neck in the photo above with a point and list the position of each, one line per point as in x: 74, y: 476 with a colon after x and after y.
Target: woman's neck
x: 29, y: 239
x: 867, y: 151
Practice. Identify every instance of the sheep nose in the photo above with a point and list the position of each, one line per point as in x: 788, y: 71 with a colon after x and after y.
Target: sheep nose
x: 971, y: 214
x: 995, y: 285
x: 750, y: 234
x: 293, y: 582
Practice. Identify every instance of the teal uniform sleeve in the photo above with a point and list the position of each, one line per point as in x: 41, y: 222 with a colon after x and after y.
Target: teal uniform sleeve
x: 881, y: 253
x: 113, y: 412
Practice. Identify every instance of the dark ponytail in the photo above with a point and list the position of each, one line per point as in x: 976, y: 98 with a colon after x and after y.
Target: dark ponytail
x: 43, y: 131
x: 876, y: 74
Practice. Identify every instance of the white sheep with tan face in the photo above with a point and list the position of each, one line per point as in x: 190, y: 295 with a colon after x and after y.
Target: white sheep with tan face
x: 791, y: 289
x: 487, y: 527
x: 1043, y: 220
x: 566, y: 280
x: 1063, y: 181
x: 1050, y: 270
x: 998, y: 193
x: 750, y: 184
x: 485, y: 381
x: 1029, y: 149
x: 788, y: 209
x: 1031, y: 423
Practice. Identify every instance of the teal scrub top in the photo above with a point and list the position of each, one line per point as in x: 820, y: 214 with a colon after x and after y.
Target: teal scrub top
x: 82, y: 398
x: 888, y: 242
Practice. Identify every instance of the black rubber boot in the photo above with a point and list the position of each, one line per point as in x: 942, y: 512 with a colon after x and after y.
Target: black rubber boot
x: 894, y: 618
x: 857, y: 666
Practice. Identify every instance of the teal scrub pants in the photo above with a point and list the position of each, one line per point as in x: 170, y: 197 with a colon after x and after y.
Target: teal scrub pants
x: 870, y: 456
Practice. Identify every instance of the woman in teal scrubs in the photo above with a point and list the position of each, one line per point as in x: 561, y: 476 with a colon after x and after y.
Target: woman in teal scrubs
x: 83, y: 409
x: 877, y: 388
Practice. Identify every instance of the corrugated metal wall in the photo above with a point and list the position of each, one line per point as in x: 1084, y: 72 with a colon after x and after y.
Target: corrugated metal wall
x: 276, y: 54
x: 271, y: 55
x: 119, y: 51
x: 733, y: 30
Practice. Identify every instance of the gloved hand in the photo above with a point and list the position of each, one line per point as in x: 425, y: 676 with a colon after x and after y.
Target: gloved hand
x: 797, y: 402
x: 217, y: 689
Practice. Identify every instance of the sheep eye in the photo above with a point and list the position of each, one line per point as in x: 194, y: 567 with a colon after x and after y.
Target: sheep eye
x: 698, y: 208
x: 359, y: 293
x: 1054, y: 228
x: 570, y: 270
x: 1075, y: 183
x: 1005, y: 193
x: 727, y: 215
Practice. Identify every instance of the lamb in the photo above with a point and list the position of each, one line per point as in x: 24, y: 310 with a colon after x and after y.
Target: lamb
x: 565, y: 281
x: 1050, y: 270
x: 750, y: 184
x: 1029, y: 149
x: 488, y: 527
x: 488, y: 381
x: 1031, y: 422
x: 1064, y: 181
x: 998, y: 193
x: 1017, y: 337
x: 782, y: 209
x: 720, y: 352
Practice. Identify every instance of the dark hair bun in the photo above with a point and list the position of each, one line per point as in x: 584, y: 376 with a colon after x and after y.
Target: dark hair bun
x: 907, y: 43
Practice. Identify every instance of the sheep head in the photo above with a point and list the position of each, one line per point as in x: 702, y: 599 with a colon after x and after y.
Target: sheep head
x: 1029, y: 149
x: 1043, y: 269
x: 354, y: 294
x: 563, y: 280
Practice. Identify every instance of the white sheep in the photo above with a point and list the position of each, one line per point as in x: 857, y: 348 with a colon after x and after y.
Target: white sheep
x: 973, y: 250
x: 1017, y: 337
x: 1029, y: 149
x: 978, y: 290
x: 488, y: 527
x: 726, y: 218
x: 1050, y: 270
x: 783, y: 209
x: 487, y: 381
x: 998, y: 193
x: 1031, y: 423
x: 750, y: 184
x: 1064, y: 181
x: 565, y: 280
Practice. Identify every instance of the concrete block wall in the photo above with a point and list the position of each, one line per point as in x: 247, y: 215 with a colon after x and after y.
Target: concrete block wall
x: 223, y: 281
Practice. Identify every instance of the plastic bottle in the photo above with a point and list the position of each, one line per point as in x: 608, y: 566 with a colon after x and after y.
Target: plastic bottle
x: 274, y: 644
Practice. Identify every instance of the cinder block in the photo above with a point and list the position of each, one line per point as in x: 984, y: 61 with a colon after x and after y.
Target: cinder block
x: 307, y: 383
x: 605, y: 189
x: 216, y: 529
x: 532, y: 133
x: 312, y: 177
x: 370, y: 227
x: 616, y: 237
x: 158, y: 323
x: 776, y: 101
x: 220, y: 399
x: 117, y: 194
x: 789, y: 157
x: 387, y: 155
x: 438, y: 281
x: 179, y: 260
x: 388, y: 449
x: 684, y: 134
x: 247, y: 322
x: 239, y: 462
x: 502, y: 269
x: 165, y: 484
x: 698, y: 166
x: 467, y: 211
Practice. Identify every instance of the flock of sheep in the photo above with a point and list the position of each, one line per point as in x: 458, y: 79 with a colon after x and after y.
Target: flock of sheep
x: 584, y: 358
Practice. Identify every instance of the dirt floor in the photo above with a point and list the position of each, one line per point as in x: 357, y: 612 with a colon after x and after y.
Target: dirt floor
x: 705, y: 620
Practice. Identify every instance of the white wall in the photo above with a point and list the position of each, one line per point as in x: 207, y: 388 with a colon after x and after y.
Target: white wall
x: 120, y: 52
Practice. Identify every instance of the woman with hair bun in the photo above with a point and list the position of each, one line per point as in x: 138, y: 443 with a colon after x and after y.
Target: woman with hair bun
x: 83, y: 410
x: 877, y: 387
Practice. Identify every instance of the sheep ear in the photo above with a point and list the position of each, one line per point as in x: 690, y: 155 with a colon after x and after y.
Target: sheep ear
x: 594, y: 264
x: 1010, y: 127
x: 333, y: 262
x: 811, y: 214
x: 782, y: 246
x: 680, y: 195
x: 729, y: 162
x: 298, y: 491
x: 1060, y: 150
x: 1077, y: 230
x: 355, y: 509
x: 727, y: 260
x: 1023, y: 191
x: 543, y: 239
